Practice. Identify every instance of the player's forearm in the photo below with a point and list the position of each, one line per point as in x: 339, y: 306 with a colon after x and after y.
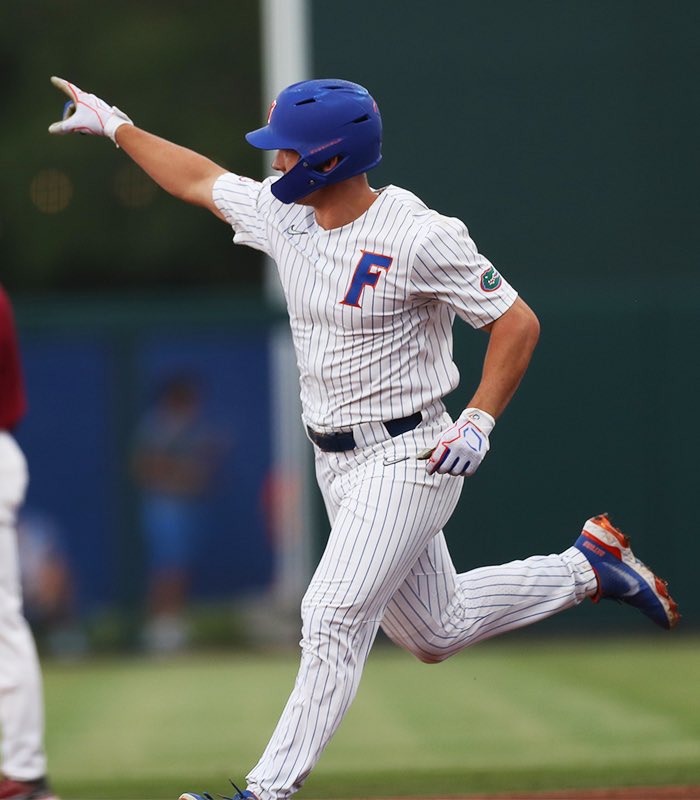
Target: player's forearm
x: 183, y: 173
x: 512, y: 340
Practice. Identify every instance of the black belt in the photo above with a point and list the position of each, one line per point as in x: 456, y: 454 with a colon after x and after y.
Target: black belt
x: 340, y: 441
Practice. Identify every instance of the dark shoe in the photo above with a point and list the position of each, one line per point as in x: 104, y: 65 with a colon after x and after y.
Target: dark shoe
x: 26, y: 790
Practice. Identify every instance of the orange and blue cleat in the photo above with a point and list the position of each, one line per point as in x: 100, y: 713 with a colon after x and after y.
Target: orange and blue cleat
x: 622, y: 576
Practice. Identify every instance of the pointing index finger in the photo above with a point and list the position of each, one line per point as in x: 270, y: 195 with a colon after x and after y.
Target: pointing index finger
x: 64, y: 86
x: 69, y: 108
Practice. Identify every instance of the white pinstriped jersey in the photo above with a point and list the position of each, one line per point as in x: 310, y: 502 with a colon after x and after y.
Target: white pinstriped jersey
x: 371, y: 303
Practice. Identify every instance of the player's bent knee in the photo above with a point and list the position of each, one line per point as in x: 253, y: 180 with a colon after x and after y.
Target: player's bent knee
x: 428, y: 655
x: 432, y: 657
x: 424, y: 648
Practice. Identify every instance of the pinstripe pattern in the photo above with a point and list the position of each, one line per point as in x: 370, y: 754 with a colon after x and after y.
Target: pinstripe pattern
x: 386, y: 355
x: 392, y: 356
x: 387, y: 562
x: 437, y: 613
x: 382, y: 520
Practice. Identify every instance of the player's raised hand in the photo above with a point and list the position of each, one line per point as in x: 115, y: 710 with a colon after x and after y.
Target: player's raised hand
x: 86, y: 113
x: 462, y: 447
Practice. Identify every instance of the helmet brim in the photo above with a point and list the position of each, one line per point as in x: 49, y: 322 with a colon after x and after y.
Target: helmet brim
x: 266, y: 139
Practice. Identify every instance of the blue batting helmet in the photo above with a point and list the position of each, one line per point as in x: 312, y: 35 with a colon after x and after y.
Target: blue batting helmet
x: 320, y: 119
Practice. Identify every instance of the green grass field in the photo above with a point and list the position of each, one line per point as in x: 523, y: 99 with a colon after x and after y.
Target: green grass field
x: 517, y: 715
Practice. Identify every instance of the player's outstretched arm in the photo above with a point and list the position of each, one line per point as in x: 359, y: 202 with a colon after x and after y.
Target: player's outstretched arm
x: 183, y: 173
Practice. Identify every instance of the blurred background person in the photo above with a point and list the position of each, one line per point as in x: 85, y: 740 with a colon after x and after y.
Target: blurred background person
x: 48, y: 585
x: 22, y: 755
x: 174, y: 459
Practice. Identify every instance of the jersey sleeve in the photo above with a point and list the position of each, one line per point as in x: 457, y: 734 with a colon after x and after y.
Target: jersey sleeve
x: 243, y: 202
x: 449, y: 268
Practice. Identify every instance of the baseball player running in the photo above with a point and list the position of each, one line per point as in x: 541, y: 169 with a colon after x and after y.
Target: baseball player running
x: 373, y: 280
x: 21, y: 703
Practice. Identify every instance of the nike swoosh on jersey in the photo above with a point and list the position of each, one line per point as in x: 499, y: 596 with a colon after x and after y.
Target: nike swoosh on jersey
x: 292, y: 230
x: 389, y: 461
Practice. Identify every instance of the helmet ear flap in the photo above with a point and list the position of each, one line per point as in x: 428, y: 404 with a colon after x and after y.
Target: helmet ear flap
x: 300, y: 181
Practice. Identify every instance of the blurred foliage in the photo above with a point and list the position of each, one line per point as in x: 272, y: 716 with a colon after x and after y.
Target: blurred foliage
x: 188, y: 71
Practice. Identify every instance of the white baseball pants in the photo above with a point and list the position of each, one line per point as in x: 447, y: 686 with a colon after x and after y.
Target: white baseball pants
x: 21, y: 698
x: 386, y: 562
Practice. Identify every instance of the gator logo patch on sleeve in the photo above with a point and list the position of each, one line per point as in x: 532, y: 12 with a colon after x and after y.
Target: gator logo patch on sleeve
x: 490, y: 280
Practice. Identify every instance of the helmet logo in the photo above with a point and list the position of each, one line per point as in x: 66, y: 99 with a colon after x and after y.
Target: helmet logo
x: 272, y: 108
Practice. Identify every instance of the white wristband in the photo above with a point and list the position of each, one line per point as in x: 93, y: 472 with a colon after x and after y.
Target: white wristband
x: 116, y: 120
x: 482, y: 419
